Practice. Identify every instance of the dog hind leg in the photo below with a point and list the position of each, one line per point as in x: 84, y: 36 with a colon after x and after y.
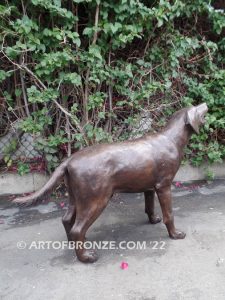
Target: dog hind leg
x: 69, y: 217
x: 68, y: 220
x: 85, y: 217
x: 150, y: 207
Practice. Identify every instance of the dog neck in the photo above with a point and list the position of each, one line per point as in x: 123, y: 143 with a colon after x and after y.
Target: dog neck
x: 178, y: 131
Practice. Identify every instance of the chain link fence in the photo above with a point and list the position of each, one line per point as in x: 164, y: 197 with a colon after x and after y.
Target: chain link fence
x: 17, y: 146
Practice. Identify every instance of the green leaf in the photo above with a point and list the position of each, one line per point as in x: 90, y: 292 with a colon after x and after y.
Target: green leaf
x: 94, y: 50
x: 4, y: 75
x: 73, y: 78
x: 88, y: 31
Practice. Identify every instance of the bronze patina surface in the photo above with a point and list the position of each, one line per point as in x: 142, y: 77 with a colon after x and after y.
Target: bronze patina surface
x: 147, y: 164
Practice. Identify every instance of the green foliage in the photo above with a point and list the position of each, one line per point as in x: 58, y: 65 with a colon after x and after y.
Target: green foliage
x: 209, y: 174
x: 36, y: 96
x: 37, y: 122
x: 49, y: 146
x: 3, y: 75
x: 8, y: 152
x: 23, y: 168
x: 89, y: 67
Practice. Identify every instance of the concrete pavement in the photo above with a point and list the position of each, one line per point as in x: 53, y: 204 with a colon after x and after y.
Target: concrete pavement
x: 193, y: 268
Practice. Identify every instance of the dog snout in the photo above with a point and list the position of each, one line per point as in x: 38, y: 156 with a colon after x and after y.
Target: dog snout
x: 202, y: 108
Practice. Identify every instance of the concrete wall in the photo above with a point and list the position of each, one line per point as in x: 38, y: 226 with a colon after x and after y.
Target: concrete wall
x: 11, y: 183
x: 190, y: 173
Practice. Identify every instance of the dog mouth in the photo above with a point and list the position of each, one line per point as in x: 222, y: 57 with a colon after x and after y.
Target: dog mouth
x: 203, y: 119
x: 202, y: 110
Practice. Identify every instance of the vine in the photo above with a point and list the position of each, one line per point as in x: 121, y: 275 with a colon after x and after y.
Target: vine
x: 80, y: 72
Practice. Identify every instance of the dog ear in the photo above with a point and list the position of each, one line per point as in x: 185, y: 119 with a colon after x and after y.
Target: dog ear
x: 193, y: 118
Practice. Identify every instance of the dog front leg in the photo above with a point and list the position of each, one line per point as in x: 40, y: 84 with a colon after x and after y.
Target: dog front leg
x: 165, y: 200
x: 150, y: 207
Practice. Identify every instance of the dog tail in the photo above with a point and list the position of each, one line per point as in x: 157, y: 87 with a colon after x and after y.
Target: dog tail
x: 45, y: 190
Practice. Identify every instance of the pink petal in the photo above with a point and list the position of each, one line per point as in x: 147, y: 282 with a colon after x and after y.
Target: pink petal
x: 124, y: 265
x: 178, y: 184
x: 62, y: 204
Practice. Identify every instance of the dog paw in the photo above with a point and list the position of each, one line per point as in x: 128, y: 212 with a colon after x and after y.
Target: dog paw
x: 154, y: 219
x: 87, y: 256
x: 177, y: 235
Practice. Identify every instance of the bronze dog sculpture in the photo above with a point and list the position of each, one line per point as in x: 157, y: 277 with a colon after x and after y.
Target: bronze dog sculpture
x: 147, y: 164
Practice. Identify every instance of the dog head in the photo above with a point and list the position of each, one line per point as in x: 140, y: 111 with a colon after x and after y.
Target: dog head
x: 195, y: 116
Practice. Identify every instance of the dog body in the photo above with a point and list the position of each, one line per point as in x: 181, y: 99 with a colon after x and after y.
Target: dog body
x: 131, y: 167
x: 147, y: 164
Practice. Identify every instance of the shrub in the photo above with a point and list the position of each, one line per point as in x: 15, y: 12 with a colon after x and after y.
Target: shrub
x: 89, y: 67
